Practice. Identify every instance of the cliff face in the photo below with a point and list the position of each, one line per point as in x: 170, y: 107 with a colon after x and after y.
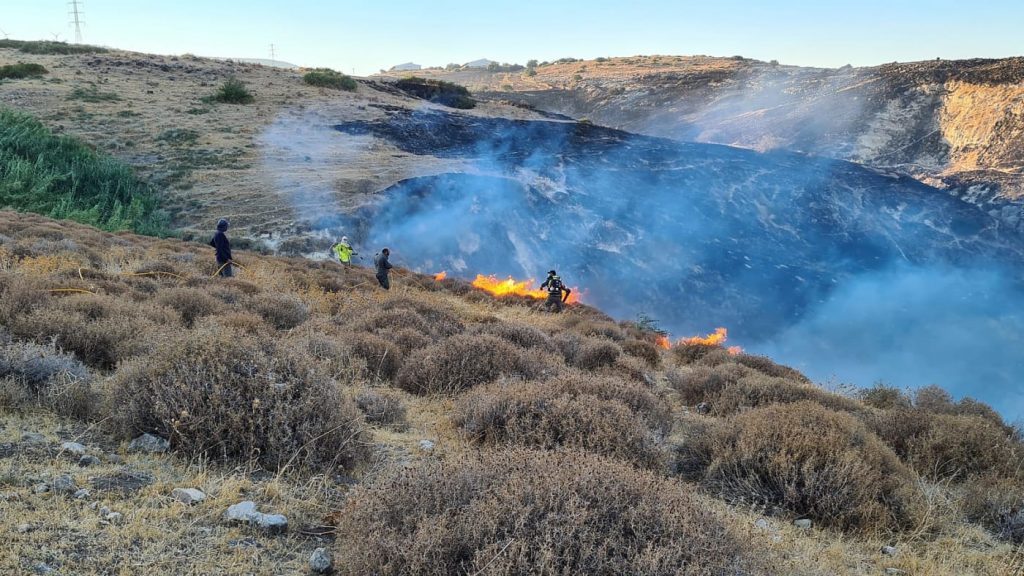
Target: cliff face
x: 957, y: 125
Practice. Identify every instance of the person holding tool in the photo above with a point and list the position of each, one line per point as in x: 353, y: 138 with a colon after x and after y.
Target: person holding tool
x: 558, y: 294
x: 222, y: 246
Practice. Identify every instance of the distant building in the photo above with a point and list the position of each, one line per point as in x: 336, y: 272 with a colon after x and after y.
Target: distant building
x: 407, y: 67
x: 481, y: 63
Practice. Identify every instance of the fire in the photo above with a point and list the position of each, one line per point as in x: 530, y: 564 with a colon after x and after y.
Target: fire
x: 664, y: 342
x: 440, y: 275
x: 513, y: 287
x: 714, y: 339
x: 734, y: 350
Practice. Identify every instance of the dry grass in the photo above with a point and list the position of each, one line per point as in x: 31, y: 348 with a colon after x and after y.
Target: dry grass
x: 462, y: 362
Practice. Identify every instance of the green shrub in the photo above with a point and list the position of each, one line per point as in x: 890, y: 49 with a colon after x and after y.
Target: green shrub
x: 233, y: 91
x: 327, y: 78
x: 62, y: 177
x: 528, y: 512
x: 437, y: 91
x: 814, y: 463
x: 464, y: 361
x: 21, y: 70
x: 227, y: 395
x: 50, y: 47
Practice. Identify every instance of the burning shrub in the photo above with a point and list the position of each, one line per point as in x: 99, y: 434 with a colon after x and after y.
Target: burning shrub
x: 521, y: 511
x: 464, y: 361
x: 997, y: 504
x: 33, y: 375
x: 522, y: 335
x: 383, y: 359
x: 643, y: 350
x: 834, y: 470
x: 228, y: 395
x: 383, y: 408
x: 192, y: 304
x: 282, y: 311
x: 546, y: 415
x: 947, y: 446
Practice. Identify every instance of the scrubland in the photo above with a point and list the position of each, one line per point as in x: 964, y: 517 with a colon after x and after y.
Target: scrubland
x: 556, y: 444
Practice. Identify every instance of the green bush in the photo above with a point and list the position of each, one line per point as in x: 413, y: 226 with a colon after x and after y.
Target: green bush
x: 438, y: 91
x: 92, y: 94
x: 233, y: 91
x: 62, y: 177
x: 21, y: 70
x: 327, y: 78
x: 49, y: 47
x: 531, y: 512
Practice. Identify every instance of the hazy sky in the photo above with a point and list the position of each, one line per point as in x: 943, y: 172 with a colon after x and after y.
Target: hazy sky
x: 366, y: 36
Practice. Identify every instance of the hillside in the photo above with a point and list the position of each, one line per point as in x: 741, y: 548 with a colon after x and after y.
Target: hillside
x: 953, y: 124
x: 435, y: 429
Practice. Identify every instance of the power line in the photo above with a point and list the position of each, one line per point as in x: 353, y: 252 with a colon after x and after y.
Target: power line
x: 76, y: 15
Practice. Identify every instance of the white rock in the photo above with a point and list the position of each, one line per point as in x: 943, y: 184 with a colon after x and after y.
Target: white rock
x: 320, y: 561
x: 149, y: 443
x: 73, y: 447
x: 81, y: 494
x: 426, y: 445
x: 246, y: 512
x: 762, y: 524
x: 23, y: 528
x: 188, y: 496
x: 804, y: 523
x: 42, y: 488
x: 114, y: 517
x: 273, y: 523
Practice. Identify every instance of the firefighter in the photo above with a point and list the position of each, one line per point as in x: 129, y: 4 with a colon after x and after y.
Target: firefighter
x: 221, y: 244
x: 380, y: 262
x: 344, y: 252
x: 558, y: 294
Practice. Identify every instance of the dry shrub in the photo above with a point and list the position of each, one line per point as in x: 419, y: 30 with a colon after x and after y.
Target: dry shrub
x: 383, y: 408
x: 690, y: 353
x: 395, y: 320
x: 443, y: 323
x: 884, y: 397
x: 587, y: 353
x: 190, y: 303
x: 465, y: 361
x: 948, y: 446
x: 632, y: 369
x: 383, y: 359
x: 239, y: 321
x: 548, y: 415
x: 697, y: 383
x: 766, y: 366
x: 282, y: 311
x: 101, y: 330
x: 814, y: 463
x: 408, y: 340
x: 600, y: 329
x: 693, y: 446
x: 32, y: 375
x: 936, y: 400
x: 522, y: 335
x: 21, y: 296
x: 529, y: 512
x: 224, y: 394
x: 643, y: 350
x: 997, y: 504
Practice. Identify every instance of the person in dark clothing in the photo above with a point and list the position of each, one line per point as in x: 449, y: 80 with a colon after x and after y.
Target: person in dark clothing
x: 380, y: 262
x: 557, y: 292
x: 221, y: 244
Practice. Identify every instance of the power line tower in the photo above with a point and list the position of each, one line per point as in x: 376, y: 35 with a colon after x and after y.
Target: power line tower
x: 273, y: 53
x: 76, y: 14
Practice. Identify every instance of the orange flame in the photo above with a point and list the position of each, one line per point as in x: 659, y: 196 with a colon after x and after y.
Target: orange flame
x: 714, y: 339
x: 440, y: 276
x: 664, y: 342
x: 734, y: 350
x: 513, y: 287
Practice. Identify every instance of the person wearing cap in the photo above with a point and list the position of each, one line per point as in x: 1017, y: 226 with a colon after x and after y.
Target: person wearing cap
x: 380, y: 262
x: 344, y: 252
x: 555, y: 289
x: 221, y: 244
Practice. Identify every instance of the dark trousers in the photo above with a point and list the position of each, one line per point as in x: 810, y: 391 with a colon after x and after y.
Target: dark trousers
x: 225, y: 269
x: 384, y: 281
x: 555, y: 301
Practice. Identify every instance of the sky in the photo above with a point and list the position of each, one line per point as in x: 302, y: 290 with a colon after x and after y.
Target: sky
x: 363, y: 37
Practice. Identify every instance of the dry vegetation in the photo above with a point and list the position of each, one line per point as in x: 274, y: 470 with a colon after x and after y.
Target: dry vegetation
x: 559, y: 444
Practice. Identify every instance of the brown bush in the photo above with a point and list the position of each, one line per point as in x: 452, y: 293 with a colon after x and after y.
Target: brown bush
x: 407, y: 340
x: 383, y: 408
x: 527, y: 512
x: 224, y: 394
x: 397, y: 319
x: 239, y: 321
x: 696, y: 384
x: 464, y: 361
x: 522, y: 335
x: 282, y: 311
x: 938, y: 401
x: 190, y: 303
x: 32, y: 375
x: 815, y: 463
x: 997, y: 504
x: 383, y: 359
x: 690, y: 353
x: 595, y: 354
x: 443, y: 323
x: 766, y: 366
x: 600, y: 329
x: 948, y: 446
x: 884, y: 397
x: 632, y: 369
x: 643, y: 350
